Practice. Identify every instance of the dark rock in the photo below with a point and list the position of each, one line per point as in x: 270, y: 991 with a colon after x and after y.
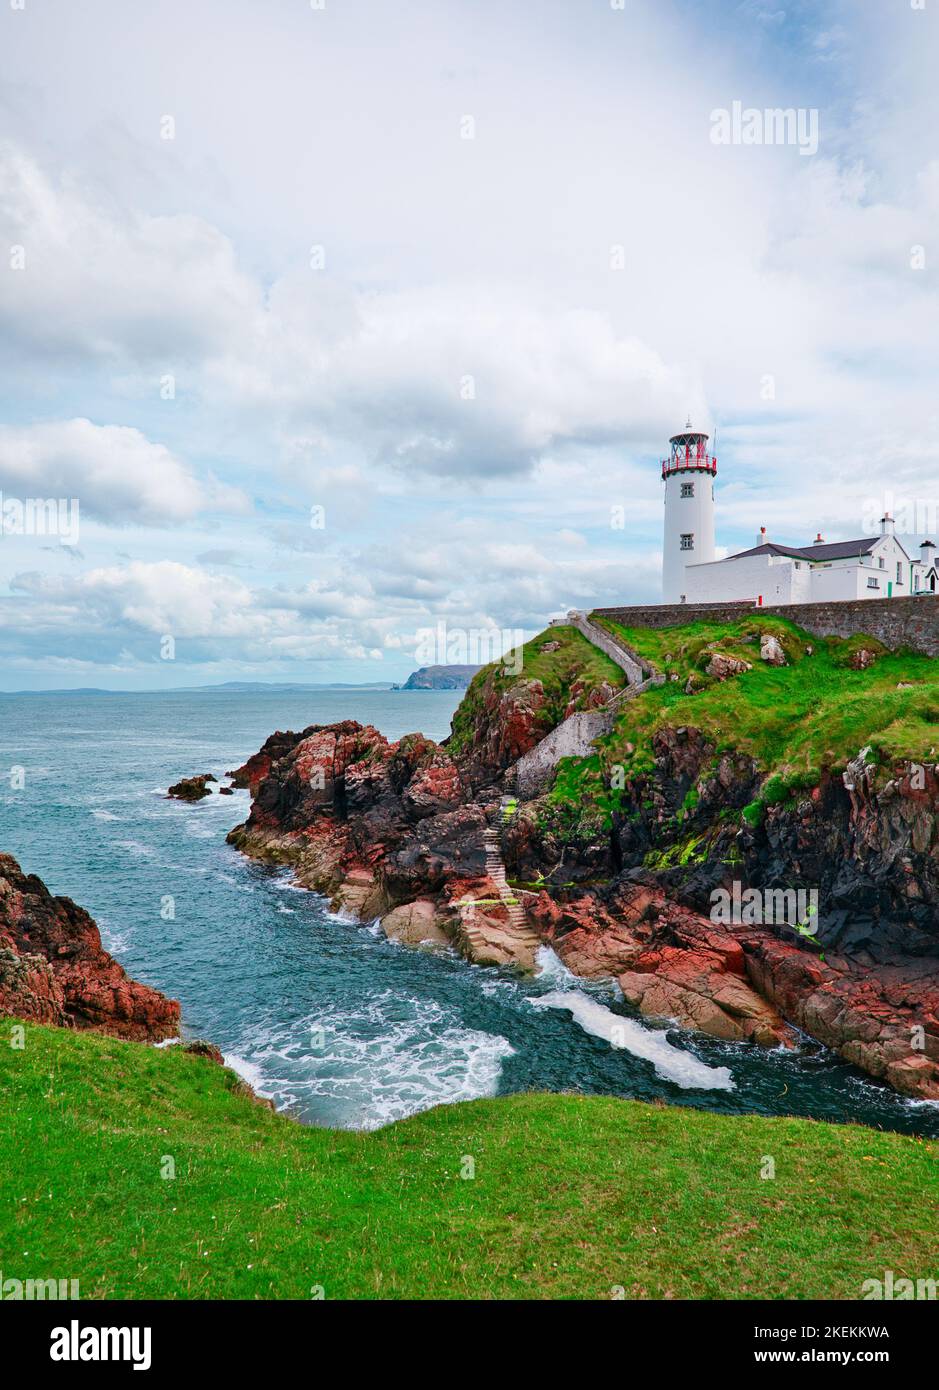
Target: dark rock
x: 192, y: 788
x: 200, y: 1048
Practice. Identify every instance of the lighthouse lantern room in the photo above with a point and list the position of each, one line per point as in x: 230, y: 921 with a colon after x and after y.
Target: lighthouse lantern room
x: 688, y: 474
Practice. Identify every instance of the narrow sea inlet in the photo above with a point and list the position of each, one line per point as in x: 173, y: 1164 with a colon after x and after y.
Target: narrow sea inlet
x: 336, y: 1024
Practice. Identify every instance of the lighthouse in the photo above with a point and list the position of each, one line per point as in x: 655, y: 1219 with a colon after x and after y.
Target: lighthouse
x: 688, y: 474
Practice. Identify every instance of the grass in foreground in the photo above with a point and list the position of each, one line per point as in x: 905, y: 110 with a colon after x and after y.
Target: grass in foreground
x: 572, y: 1197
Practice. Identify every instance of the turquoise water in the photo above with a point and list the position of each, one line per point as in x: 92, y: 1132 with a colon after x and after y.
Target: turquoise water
x: 336, y: 1024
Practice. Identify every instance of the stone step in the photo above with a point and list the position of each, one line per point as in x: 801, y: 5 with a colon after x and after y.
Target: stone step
x: 519, y: 929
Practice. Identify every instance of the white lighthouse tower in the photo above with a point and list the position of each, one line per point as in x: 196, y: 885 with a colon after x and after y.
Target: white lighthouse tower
x: 688, y: 474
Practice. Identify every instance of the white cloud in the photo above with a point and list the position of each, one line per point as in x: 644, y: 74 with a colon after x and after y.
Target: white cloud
x: 106, y: 282
x: 485, y: 501
x: 115, y: 472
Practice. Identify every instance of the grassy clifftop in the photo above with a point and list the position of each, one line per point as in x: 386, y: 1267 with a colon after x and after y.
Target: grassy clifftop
x: 816, y: 710
x: 572, y: 1195
x: 559, y: 658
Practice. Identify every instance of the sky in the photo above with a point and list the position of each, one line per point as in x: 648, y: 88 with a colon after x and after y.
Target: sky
x: 349, y: 321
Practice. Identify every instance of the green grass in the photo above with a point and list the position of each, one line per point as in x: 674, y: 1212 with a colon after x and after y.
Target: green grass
x: 791, y: 719
x: 572, y: 1197
x: 576, y: 659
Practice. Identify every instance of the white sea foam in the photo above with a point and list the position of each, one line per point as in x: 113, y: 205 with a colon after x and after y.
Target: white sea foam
x: 200, y: 832
x: 390, y: 1057
x: 552, y: 969
x: 671, y: 1063
x: 106, y: 815
x: 248, y: 1071
x: 115, y: 942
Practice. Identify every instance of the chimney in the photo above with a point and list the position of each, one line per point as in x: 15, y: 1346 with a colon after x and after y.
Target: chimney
x: 926, y: 552
x: 762, y: 538
x: 819, y: 539
x: 886, y: 524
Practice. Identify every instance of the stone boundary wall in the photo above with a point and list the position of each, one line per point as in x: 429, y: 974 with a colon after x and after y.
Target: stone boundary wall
x: 571, y: 739
x: 635, y: 669
x: 897, y: 622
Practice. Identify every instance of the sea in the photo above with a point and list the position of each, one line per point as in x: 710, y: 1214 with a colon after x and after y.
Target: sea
x: 334, y: 1023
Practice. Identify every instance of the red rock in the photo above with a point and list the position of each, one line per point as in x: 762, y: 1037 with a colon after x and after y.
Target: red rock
x: 53, y: 968
x: 395, y: 824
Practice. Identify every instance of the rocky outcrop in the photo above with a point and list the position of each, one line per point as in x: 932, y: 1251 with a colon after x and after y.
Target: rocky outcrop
x: 192, y: 788
x: 385, y: 830
x: 745, y: 983
x: 406, y: 833
x: 512, y: 720
x: 53, y: 968
x: 669, y: 962
x: 884, y: 1021
x: 440, y: 678
x: 722, y: 666
x: 772, y: 650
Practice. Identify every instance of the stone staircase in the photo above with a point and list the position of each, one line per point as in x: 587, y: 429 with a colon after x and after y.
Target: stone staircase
x: 575, y: 737
x: 511, y: 942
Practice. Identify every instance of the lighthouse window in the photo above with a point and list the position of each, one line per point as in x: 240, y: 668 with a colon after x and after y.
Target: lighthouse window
x: 687, y: 540
x: 687, y: 489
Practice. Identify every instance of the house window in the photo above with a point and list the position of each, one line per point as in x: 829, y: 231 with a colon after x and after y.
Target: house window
x: 687, y: 489
x: 916, y: 583
x: 873, y: 583
x: 687, y: 540
x: 882, y: 563
x: 899, y: 571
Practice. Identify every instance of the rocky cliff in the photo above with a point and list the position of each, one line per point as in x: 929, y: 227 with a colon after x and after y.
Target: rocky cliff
x: 53, y: 968
x: 440, y: 678
x: 617, y: 864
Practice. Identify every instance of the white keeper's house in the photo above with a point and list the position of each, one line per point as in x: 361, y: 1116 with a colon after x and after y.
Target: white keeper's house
x: 767, y: 573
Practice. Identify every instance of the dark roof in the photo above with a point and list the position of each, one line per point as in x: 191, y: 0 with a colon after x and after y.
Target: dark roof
x: 840, y: 550
x: 836, y: 550
x: 768, y: 548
